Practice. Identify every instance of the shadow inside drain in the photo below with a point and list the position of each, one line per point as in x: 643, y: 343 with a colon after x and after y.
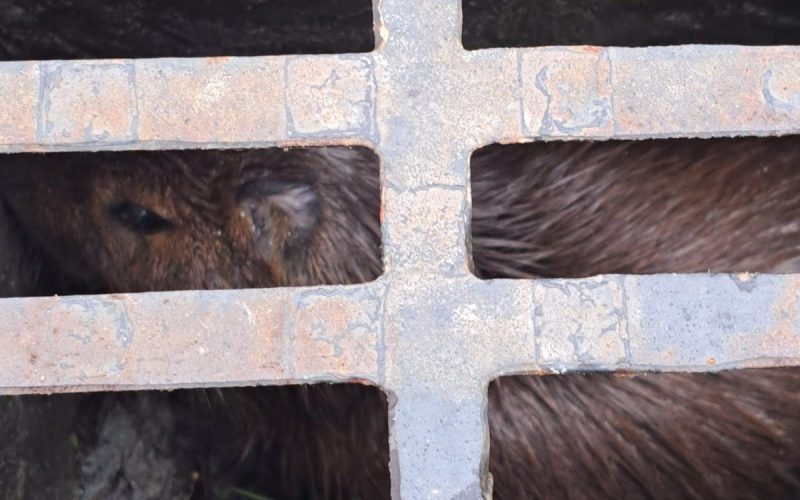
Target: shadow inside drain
x: 203, y: 444
x: 533, y: 23
x: 101, y: 29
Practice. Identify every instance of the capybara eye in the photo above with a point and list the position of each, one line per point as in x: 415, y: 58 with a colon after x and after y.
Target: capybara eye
x: 139, y: 219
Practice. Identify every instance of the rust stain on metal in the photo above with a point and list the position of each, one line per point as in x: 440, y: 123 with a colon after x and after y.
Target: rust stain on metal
x: 337, y: 335
x: 188, y: 100
x: 19, y: 86
x: 87, y: 102
x: 785, y: 314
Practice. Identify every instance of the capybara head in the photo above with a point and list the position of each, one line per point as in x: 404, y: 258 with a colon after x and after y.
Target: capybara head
x: 127, y: 222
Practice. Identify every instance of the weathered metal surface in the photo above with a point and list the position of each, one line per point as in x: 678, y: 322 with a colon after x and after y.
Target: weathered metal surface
x: 475, y: 97
x: 187, y: 100
x: 181, y: 339
x: 19, y: 88
x: 702, y: 91
x: 86, y: 102
x: 660, y: 322
x: 427, y: 331
x: 667, y: 322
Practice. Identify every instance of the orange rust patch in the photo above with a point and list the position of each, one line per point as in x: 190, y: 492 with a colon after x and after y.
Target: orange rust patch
x: 784, y: 312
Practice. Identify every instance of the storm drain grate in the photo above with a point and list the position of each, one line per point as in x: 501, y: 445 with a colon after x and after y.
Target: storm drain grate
x: 427, y: 331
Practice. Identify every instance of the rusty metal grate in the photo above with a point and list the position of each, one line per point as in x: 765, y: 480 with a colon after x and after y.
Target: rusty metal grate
x: 427, y: 331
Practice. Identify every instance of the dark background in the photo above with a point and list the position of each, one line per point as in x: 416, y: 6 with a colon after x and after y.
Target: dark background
x: 98, y: 29
x: 81, y: 29
x: 531, y: 23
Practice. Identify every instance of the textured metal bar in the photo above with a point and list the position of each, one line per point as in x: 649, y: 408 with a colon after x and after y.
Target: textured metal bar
x: 667, y: 322
x: 180, y: 103
x: 183, y: 339
x: 474, y: 97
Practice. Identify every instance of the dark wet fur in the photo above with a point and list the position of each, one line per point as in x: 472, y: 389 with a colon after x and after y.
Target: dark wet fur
x: 539, y: 210
x: 729, y: 435
x: 569, y: 211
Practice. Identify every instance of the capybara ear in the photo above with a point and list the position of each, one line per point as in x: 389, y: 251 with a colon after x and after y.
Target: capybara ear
x: 282, y: 214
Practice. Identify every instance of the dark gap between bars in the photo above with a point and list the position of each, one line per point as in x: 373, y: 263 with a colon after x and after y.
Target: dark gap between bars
x: 98, y: 29
x: 198, y: 444
x: 533, y: 23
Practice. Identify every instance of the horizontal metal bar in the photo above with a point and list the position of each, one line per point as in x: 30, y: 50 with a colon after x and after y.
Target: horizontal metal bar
x: 427, y: 333
x: 190, y: 339
x: 482, y: 96
x: 668, y: 322
x: 161, y: 103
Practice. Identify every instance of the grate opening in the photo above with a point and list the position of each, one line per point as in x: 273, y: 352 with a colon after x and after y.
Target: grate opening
x: 531, y: 23
x: 96, y: 29
x: 202, y: 444
x: 137, y: 221
x: 661, y: 435
x: 577, y: 209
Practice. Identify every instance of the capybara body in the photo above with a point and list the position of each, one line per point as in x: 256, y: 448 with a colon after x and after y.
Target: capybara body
x: 226, y: 219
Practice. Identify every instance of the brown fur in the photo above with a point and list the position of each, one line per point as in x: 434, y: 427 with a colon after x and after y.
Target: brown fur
x: 65, y: 202
x: 541, y: 210
x: 573, y: 210
x: 730, y: 435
